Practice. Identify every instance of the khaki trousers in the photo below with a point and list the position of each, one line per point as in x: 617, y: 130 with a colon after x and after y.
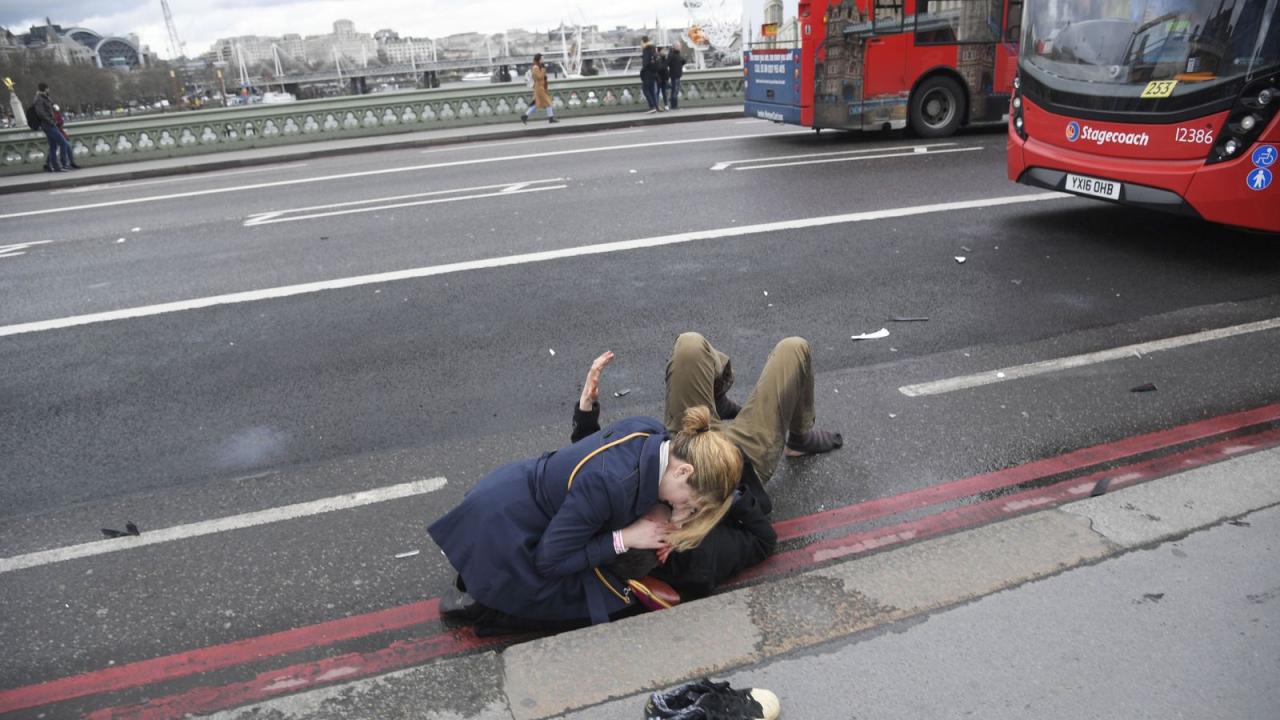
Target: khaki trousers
x: 781, y: 402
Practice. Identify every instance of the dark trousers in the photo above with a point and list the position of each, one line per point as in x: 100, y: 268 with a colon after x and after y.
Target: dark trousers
x: 58, y: 146
x: 649, y: 86
x: 675, y: 92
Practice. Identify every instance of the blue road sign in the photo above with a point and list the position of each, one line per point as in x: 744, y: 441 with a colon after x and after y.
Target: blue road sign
x: 1259, y: 179
x: 1264, y: 156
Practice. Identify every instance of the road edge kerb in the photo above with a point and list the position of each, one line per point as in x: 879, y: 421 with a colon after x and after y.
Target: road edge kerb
x: 286, y: 154
x: 542, y: 678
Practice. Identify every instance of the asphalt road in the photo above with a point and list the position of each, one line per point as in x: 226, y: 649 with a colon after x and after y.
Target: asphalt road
x: 268, y: 398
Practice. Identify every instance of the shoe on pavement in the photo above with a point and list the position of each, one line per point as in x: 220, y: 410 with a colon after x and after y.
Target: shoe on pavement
x: 707, y: 700
x: 652, y: 111
x: 524, y: 119
x: 552, y: 120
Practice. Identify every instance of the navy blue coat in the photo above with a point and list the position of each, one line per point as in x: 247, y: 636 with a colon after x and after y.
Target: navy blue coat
x: 527, y: 544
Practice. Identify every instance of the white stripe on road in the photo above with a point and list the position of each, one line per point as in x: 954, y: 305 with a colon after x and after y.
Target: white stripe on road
x: 383, y: 171
x: 907, y: 149
x: 234, y: 522
x: 130, y: 184
x: 521, y: 259
x: 389, y: 203
x: 916, y: 153
x: 485, y: 144
x: 964, y: 382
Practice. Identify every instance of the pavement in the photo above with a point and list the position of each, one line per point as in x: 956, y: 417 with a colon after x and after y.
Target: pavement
x: 116, y: 172
x: 1146, y: 602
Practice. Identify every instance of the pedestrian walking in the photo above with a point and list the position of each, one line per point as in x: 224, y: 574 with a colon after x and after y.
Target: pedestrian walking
x: 59, y: 157
x: 649, y: 73
x: 532, y: 541
x: 663, y: 81
x: 675, y: 70
x: 541, y: 92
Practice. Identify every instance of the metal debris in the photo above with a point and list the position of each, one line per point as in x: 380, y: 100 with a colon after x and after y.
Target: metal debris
x: 902, y: 318
x: 403, y: 555
x: 623, y: 392
x: 1145, y: 387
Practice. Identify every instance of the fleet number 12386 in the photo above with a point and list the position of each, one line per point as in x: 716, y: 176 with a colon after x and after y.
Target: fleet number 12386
x: 1195, y: 136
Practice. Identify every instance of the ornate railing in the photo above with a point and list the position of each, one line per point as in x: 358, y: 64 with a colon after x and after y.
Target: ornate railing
x: 103, y: 142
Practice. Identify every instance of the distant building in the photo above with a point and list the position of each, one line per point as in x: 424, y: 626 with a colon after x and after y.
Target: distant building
x: 79, y: 45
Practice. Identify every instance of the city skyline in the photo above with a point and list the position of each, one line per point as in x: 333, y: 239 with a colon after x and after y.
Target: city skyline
x: 201, y: 23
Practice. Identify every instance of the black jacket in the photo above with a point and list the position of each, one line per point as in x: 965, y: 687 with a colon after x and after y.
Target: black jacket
x: 648, y: 60
x: 675, y: 64
x: 745, y: 537
x: 44, y: 108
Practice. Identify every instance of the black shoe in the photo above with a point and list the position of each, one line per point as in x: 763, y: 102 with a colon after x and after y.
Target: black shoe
x: 524, y: 119
x: 707, y: 700
x: 553, y: 120
x: 457, y: 604
x: 72, y: 166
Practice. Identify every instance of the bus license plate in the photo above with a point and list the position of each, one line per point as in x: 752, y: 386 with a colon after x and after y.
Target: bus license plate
x: 1109, y: 189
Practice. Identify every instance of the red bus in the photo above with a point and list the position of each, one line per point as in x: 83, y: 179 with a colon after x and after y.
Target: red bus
x: 932, y: 65
x: 1163, y: 104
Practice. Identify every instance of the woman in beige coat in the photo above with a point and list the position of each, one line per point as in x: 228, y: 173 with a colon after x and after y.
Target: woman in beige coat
x: 541, y: 93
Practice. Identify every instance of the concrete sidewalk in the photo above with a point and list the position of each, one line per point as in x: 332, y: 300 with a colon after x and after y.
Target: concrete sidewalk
x: 91, y: 175
x: 1156, y: 601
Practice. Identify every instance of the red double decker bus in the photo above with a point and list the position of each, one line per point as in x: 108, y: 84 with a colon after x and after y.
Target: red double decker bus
x: 1163, y: 104
x: 933, y: 65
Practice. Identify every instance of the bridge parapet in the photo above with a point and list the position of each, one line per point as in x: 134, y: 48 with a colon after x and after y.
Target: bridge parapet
x: 102, y: 142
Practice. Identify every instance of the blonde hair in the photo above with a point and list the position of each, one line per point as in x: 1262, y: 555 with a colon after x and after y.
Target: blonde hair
x: 717, y: 469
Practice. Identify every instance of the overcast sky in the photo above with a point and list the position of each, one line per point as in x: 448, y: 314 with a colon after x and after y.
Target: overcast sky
x: 200, y: 22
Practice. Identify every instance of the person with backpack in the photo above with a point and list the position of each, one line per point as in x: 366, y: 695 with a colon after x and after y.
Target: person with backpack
x: 663, y: 81
x: 675, y: 70
x: 42, y: 115
x: 649, y: 73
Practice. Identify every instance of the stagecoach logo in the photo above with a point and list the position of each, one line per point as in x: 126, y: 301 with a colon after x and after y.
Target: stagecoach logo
x: 1076, y: 131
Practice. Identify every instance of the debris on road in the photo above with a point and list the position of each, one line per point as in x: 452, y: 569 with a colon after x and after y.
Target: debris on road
x: 1101, y: 487
x: 119, y: 241
x: 552, y: 351
x: 135, y: 230
x: 623, y: 393
x: 1145, y: 387
x: 403, y: 555
x: 129, y: 529
x: 881, y: 333
x: 960, y: 259
x: 907, y: 318
x: 965, y: 249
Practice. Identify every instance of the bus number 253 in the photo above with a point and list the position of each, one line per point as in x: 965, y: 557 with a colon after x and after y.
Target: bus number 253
x: 1197, y: 136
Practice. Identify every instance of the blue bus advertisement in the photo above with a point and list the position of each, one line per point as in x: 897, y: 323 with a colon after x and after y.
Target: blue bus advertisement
x: 773, y: 84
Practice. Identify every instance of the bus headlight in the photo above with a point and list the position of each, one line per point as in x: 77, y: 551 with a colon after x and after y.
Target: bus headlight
x: 1015, y: 106
x: 1252, y: 113
x: 1017, y: 122
x: 1017, y: 103
x: 1248, y: 122
x: 1265, y: 96
x: 1231, y: 146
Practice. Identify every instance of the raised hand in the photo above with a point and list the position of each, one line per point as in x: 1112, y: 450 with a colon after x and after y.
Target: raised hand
x: 591, y: 388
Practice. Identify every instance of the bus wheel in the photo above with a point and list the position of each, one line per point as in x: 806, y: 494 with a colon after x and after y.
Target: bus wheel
x: 937, y: 107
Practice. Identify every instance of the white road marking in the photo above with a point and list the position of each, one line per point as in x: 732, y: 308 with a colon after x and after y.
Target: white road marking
x: 388, y: 203
x: 482, y: 144
x: 234, y: 522
x: 916, y: 153
x: 520, y: 259
x: 916, y: 148
x: 7, y: 251
x: 382, y: 171
x: 127, y: 184
x: 963, y: 382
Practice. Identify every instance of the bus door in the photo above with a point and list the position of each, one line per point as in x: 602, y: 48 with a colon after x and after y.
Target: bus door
x: 884, y: 84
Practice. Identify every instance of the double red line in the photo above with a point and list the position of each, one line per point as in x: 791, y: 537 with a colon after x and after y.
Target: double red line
x: 1147, y: 456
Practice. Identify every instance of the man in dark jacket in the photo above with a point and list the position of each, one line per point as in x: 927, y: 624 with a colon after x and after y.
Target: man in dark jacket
x: 663, y: 81
x: 649, y: 73
x: 675, y: 70
x: 59, y: 157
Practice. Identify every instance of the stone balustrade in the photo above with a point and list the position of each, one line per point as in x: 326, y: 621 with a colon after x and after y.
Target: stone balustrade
x: 100, y: 142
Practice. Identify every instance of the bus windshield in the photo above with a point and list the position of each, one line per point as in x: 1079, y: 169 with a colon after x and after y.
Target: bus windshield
x: 1124, y: 43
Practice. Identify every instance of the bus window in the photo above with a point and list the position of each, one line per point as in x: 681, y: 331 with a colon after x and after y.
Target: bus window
x: 958, y: 21
x: 1013, y: 21
x: 888, y: 16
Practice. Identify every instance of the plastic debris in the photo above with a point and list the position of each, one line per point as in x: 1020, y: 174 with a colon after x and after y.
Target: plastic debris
x: 965, y: 249
x: 1145, y: 387
x: 403, y: 555
x: 904, y: 318
x: 633, y: 172
x: 623, y: 392
x: 960, y: 259
x: 1101, y: 487
x: 766, y: 293
x: 129, y: 529
x: 881, y: 333
x: 119, y: 241
x: 135, y: 230
x: 552, y: 351
x: 998, y: 374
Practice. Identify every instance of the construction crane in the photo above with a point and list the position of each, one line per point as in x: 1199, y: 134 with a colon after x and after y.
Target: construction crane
x: 176, y: 46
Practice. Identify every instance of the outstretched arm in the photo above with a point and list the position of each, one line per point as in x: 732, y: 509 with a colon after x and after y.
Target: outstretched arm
x: 586, y: 416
